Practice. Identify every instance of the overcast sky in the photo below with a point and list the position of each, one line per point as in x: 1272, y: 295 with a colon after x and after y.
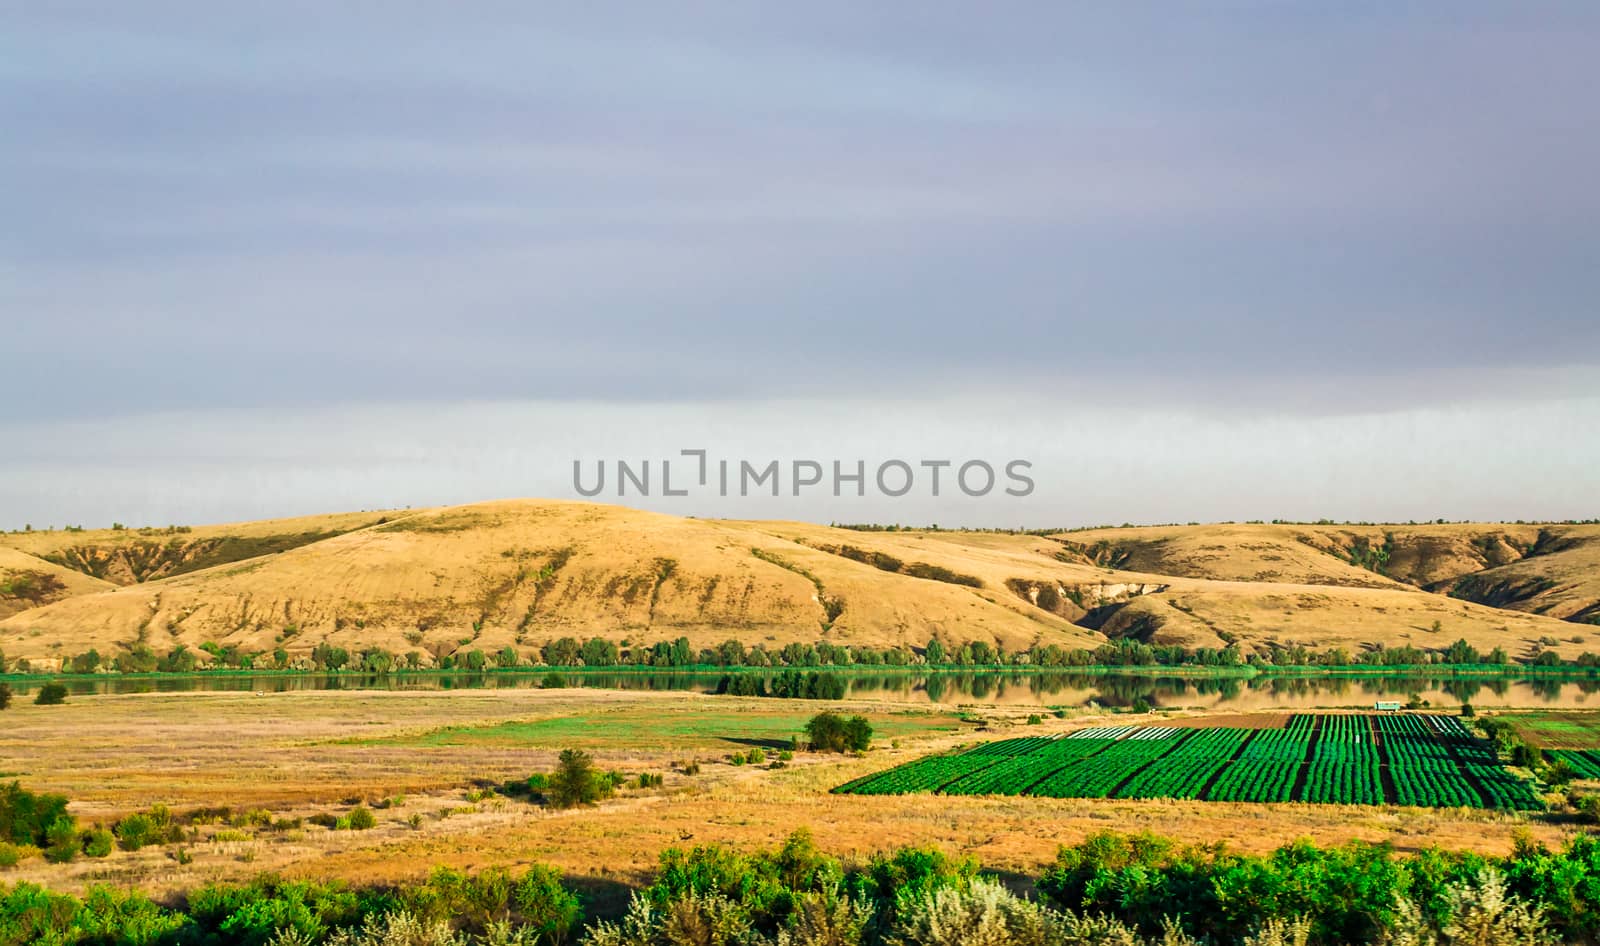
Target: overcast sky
x: 263, y: 259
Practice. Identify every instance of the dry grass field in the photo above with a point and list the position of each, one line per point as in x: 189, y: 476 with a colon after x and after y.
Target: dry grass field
x: 305, y: 753
x: 520, y: 573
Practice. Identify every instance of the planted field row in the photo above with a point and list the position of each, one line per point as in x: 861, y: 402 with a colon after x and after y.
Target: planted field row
x: 1331, y: 759
x: 1585, y: 763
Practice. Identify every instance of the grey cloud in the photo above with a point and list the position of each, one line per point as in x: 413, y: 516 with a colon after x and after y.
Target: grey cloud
x: 312, y: 205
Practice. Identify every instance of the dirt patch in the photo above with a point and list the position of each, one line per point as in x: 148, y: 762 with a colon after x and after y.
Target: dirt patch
x: 1231, y: 721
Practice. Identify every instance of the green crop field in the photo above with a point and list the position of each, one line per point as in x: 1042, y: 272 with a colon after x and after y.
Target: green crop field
x: 1585, y: 763
x: 1426, y: 761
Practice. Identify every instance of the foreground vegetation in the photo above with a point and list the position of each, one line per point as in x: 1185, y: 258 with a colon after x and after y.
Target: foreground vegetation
x: 1109, y: 889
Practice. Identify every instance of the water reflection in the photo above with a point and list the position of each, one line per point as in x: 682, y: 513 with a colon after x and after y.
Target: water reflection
x: 1005, y: 687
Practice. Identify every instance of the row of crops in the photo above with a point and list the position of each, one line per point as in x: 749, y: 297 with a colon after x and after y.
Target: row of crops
x: 1429, y: 761
x: 1585, y: 763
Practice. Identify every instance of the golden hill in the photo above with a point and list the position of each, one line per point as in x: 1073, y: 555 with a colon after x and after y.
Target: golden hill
x: 1551, y: 570
x: 521, y: 573
x: 28, y: 582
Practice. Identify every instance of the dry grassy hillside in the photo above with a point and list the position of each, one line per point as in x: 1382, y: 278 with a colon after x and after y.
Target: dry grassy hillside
x: 1551, y: 570
x: 520, y: 573
x: 130, y: 556
x: 28, y: 582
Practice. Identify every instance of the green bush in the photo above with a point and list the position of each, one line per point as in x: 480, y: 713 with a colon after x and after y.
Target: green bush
x: 98, y: 843
x: 576, y: 781
x: 27, y: 818
x: 362, y: 819
x: 13, y: 854
x: 5, y: 696
x: 51, y: 694
x: 135, y: 832
x: 830, y: 732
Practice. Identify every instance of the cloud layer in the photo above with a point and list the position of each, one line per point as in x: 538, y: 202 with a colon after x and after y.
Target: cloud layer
x: 1254, y: 213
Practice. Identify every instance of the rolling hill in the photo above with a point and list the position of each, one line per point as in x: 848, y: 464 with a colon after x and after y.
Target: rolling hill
x: 523, y: 572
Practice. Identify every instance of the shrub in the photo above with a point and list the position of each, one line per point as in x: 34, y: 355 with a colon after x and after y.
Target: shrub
x: 135, y: 831
x: 362, y: 819
x: 830, y: 732
x: 12, y: 854
x: 576, y: 781
x: 51, y: 694
x: 62, y: 837
x: 547, y: 909
x: 26, y: 818
x: 98, y: 843
x: 5, y: 696
x: 398, y: 928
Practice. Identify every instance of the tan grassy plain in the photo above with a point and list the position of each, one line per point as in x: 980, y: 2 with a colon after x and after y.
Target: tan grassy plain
x: 518, y: 573
x: 308, y: 752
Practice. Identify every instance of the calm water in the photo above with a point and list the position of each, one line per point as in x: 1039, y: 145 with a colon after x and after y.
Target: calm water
x: 1051, y: 689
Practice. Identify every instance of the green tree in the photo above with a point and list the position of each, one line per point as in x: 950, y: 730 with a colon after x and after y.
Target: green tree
x: 51, y: 694
x: 857, y: 734
x: 576, y: 781
x: 98, y: 843
x: 178, y: 660
x: 548, y: 909
x: 26, y: 817
x: 599, y: 652
x: 730, y: 653
x: 86, y: 662
x: 935, y: 652
x: 136, y: 831
x: 61, y: 840
x: 562, y: 652
x: 830, y: 732
x: 506, y: 658
x: 325, y: 657
x: 139, y: 659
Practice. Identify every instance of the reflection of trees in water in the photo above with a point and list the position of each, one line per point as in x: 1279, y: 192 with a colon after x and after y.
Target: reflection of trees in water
x: 1463, y: 689
x: 1043, y: 687
x: 1289, y: 686
x: 1545, y: 688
